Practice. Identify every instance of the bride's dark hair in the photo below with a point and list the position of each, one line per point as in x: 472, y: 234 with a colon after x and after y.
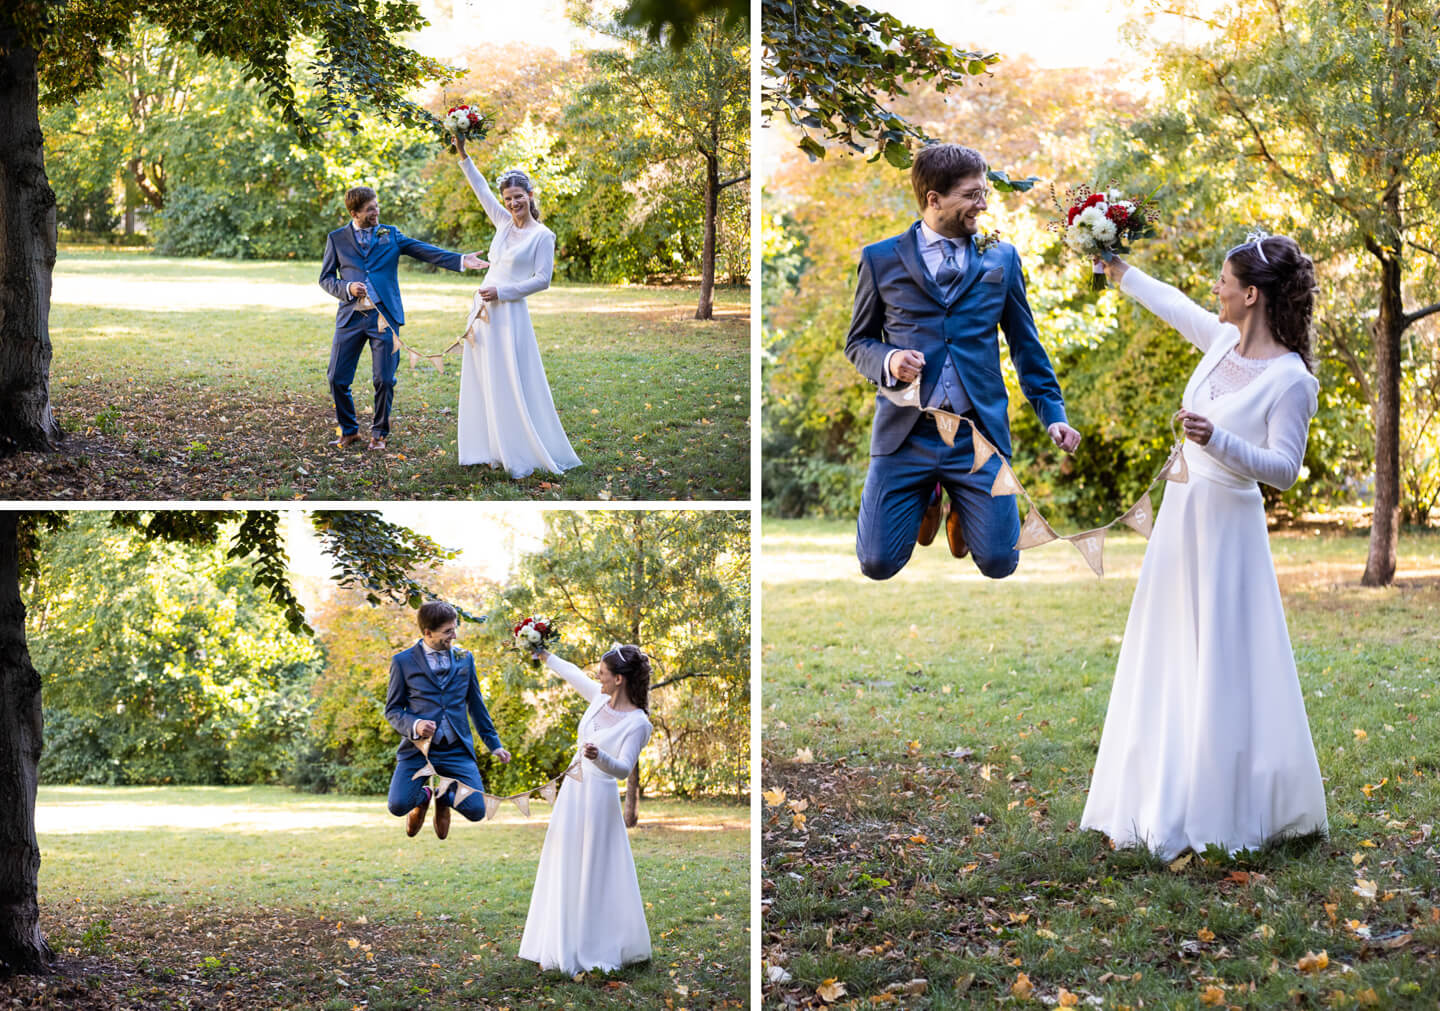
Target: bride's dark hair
x: 514, y: 177
x: 631, y: 663
x: 1276, y: 266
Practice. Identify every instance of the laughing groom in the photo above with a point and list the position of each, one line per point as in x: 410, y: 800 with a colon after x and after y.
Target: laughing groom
x: 359, y: 270
x: 927, y: 305
x: 434, y: 694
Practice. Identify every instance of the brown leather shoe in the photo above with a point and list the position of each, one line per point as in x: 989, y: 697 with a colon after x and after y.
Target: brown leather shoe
x: 955, y: 535
x: 346, y: 441
x: 415, y: 820
x: 376, y: 441
x: 930, y: 522
x: 442, y: 818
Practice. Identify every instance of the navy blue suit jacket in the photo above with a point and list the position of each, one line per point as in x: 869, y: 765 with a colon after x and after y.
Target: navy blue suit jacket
x: 898, y: 305
x: 416, y: 693
x: 344, y: 262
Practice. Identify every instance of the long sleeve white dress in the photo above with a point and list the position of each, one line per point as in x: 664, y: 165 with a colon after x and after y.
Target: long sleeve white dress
x: 507, y: 417
x: 586, y: 911
x: 1206, y: 739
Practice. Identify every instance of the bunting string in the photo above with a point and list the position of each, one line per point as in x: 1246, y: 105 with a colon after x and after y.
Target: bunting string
x: 479, y: 313
x: 547, y: 790
x: 1036, y: 530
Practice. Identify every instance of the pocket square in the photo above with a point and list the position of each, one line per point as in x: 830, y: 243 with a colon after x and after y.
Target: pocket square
x: 993, y: 276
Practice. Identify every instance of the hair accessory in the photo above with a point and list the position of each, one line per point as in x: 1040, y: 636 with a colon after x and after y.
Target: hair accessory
x: 1256, y: 237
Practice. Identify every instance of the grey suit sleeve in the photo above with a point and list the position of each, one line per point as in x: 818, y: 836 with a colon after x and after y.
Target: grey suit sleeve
x: 430, y: 254
x: 479, y: 715
x: 864, y: 344
x: 1032, y: 364
x: 397, y: 698
x: 330, y: 278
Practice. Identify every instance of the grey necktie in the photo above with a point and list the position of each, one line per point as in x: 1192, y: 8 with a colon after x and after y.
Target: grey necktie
x: 949, y: 273
x: 364, y: 236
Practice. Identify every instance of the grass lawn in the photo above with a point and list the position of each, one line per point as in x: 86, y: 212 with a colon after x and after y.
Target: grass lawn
x: 205, y: 379
x: 259, y: 898
x: 933, y: 737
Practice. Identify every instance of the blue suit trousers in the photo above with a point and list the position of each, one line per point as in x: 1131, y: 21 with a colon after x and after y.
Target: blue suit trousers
x: 453, y: 760
x: 350, y: 339
x: 897, y: 491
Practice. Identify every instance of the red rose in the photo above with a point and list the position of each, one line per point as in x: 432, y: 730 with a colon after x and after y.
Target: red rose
x: 474, y: 118
x: 1094, y: 198
x: 543, y: 629
x: 1118, y: 215
x: 1074, y: 213
x: 452, y: 108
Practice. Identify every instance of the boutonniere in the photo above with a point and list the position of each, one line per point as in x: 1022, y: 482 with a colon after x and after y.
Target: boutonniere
x: 986, y: 241
x: 382, y: 233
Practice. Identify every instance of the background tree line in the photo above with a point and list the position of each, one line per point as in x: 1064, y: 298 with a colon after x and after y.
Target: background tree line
x: 163, y: 662
x: 1314, y: 120
x: 213, y: 169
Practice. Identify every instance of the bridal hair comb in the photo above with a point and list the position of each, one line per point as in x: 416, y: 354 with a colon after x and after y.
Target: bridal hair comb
x: 1256, y: 237
x: 514, y: 177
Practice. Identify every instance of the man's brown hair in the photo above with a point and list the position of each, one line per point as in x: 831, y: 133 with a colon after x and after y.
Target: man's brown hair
x: 435, y: 613
x: 939, y: 167
x: 357, y: 197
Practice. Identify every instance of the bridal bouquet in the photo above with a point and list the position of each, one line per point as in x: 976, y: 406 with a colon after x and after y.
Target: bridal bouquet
x: 468, y: 122
x: 534, y: 633
x: 1100, y: 224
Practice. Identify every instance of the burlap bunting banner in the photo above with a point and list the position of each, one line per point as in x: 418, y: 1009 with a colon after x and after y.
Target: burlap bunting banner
x: 549, y: 790
x: 479, y: 312
x: 1140, y: 517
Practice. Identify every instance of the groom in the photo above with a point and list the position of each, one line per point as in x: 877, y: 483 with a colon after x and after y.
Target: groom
x: 433, y: 695
x: 359, y: 270
x: 927, y: 305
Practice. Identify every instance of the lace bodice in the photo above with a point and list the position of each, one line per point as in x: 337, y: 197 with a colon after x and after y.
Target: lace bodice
x: 1234, y: 372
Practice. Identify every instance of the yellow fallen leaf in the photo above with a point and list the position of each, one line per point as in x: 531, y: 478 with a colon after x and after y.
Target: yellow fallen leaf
x: 1360, y: 735
x: 1180, y: 863
x: 1368, y: 998
x: 919, y: 840
x: 830, y: 990
x: 1068, y: 999
x: 1022, y: 987
x: 1018, y: 917
x: 353, y: 943
x: 1049, y: 935
x: 1205, y: 934
x: 797, y: 822
x: 803, y: 756
x: 1264, y: 931
x: 799, y: 805
x: 1212, y: 996
x: 1330, y: 909
x: 1311, y: 962
x: 774, y: 797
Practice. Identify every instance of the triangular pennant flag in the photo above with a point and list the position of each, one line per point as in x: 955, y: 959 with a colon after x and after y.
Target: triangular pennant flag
x: 469, y: 335
x: 1092, y: 545
x: 462, y: 792
x: 948, y: 424
x: 442, y: 784
x: 984, y: 450
x: 1005, y: 482
x: 574, y: 773
x: 1177, y: 471
x: 439, y: 363
x: 414, y: 358
x: 905, y: 396
x: 1141, y: 516
x: 548, y: 792
x: 522, y: 801
x: 423, y: 745
x: 429, y: 770
x: 1034, y: 531
x: 492, y: 804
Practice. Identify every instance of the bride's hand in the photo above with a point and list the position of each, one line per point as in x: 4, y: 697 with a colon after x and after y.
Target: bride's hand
x: 1198, y: 429
x: 1114, y: 268
x: 590, y: 751
x: 460, y: 145
x: 489, y: 294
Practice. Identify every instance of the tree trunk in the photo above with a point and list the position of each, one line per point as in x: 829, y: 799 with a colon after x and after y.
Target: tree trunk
x: 706, y: 309
x: 632, y: 797
x: 1385, y: 525
x: 27, y: 256
x: 22, y: 947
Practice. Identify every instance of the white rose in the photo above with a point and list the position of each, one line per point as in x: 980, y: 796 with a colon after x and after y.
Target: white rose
x: 532, y: 635
x: 1104, y: 231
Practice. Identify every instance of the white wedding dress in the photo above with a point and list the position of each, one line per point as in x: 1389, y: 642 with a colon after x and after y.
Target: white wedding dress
x: 506, y: 416
x: 1206, y: 740
x: 586, y: 911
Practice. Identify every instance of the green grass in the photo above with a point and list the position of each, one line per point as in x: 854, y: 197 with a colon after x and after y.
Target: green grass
x: 912, y: 863
x: 185, y: 378
x: 263, y: 898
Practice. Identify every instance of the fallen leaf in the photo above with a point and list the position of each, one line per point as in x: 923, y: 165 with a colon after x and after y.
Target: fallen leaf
x: 830, y: 990
x: 1180, y: 863
x: 1212, y: 996
x: 1068, y: 999
x: 1205, y: 934
x: 1022, y: 987
x: 803, y: 756
x: 775, y: 797
x: 1311, y: 962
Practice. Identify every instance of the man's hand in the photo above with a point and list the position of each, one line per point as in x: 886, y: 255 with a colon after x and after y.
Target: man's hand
x: 490, y: 294
x: 423, y: 729
x: 472, y: 261
x: 1064, y: 436
x: 358, y: 290
x: 503, y: 755
x: 906, y: 365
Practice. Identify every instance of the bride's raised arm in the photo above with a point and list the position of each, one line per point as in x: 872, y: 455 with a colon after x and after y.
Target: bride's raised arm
x: 494, y: 209
x: 587, y: 686
x: 1196, y: 324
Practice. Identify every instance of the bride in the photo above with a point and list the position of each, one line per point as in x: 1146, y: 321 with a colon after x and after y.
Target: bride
x: 506, y: 416
x: 1206, y: 740
x: 586, y: 911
